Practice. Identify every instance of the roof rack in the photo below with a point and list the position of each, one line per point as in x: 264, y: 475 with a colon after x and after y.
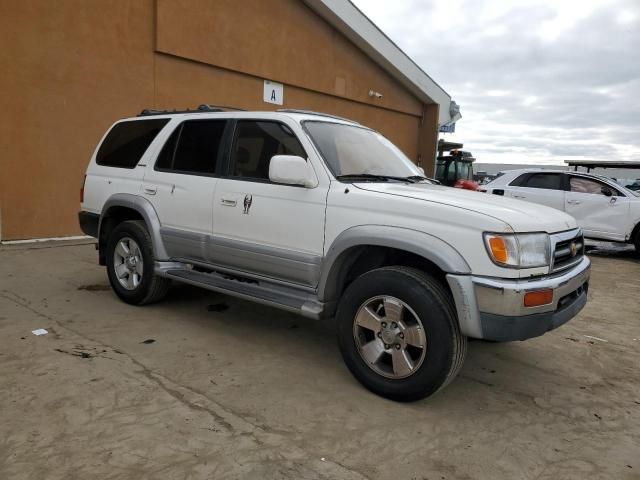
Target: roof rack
x: 311, y: 112
x: 203, y: 108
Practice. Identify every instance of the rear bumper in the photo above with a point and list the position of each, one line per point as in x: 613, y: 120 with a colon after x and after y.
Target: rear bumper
x: 493, y: 308
x: 89, y: 223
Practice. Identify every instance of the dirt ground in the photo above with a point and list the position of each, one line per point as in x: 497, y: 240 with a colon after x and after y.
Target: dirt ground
x: 207, y: 386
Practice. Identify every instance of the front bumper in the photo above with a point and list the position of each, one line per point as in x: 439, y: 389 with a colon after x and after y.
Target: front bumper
x: 493, y: 308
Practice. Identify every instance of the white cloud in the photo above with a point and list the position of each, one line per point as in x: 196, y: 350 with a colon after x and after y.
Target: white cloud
x: 498, y: 93
x: 627, y: 17
x: 537, y: 80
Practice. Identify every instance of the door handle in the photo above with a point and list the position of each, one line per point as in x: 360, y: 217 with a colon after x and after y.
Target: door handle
x: 519, y: 196
x: 228, y: 202
x: 574, y: 202
x: 150, y: 189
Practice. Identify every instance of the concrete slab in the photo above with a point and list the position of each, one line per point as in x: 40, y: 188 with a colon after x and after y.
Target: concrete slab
x: 230, y: 389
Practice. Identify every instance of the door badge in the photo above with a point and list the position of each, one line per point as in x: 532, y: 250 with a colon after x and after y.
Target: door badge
x: 247, y: 203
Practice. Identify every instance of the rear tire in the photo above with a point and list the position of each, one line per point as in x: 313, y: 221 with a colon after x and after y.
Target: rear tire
x: 383, y: 317
x: 130, y: 265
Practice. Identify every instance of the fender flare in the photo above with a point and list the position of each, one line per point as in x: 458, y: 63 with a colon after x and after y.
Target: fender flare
x: 635, y: 231
x: 430, y: 247
x: 148, y: 213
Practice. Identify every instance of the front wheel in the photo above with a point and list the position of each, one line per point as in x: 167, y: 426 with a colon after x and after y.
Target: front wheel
x: 398, y: 333
x: 130, y: 265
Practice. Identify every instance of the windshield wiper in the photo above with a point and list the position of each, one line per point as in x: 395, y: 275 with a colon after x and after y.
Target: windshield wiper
x: 372, y: 177
x: 422, y: 177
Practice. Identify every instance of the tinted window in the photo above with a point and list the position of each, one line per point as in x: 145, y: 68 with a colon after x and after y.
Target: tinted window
x: 194, y: 147
x: 256, y: 142
x: 586, y: 185
x: 550, y: 181
x: 127, y: 141
x: 165, y: 159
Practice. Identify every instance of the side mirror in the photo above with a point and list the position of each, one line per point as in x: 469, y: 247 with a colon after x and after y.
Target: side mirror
x: 292, y: 170
x: 606, y: 191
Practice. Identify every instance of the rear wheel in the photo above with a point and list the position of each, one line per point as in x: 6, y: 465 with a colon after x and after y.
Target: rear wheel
x: 398, y: 333
x: 130, y: 265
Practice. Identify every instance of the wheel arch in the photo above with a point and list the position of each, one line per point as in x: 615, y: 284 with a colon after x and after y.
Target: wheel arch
x: 635, y: 233
x: 123, y: 206
x: 362, y: 246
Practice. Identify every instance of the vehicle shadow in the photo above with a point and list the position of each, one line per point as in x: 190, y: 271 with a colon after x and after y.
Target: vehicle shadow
x: 314, y: 345
x: 612, y: 250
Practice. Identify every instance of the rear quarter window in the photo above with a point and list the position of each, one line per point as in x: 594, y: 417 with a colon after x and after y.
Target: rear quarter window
x: 127, y: 141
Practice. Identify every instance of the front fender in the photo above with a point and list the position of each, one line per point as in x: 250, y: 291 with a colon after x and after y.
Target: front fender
x: 432, y: 248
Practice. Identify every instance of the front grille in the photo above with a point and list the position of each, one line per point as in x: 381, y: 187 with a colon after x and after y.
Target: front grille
x: 568, y: 253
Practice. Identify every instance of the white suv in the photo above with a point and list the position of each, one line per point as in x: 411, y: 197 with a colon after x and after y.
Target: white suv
x: 604, y: 209
x: 324, y: 217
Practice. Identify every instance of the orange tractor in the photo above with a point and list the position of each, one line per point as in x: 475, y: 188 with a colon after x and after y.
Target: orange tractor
x: 454, y: 167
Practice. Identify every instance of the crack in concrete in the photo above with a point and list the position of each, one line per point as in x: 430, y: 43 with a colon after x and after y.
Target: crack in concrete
x: 232, y: 422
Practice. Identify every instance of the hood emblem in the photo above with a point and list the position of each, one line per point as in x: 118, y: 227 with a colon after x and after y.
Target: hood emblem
x: 573, y: 248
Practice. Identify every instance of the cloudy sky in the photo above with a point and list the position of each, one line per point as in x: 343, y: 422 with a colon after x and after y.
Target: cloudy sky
x: 538, y: 81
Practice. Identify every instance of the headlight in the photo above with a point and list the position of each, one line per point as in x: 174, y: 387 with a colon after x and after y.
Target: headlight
x: 524, y: 250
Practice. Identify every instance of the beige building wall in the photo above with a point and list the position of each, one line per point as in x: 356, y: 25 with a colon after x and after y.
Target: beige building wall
x: 73, y: 67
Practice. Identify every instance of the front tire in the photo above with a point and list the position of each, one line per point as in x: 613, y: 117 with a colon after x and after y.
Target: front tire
x: 398, y: 333
x: 130, y: 265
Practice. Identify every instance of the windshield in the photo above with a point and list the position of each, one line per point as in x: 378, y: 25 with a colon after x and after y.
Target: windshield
x: 351, y: 150
x: 631, y: 184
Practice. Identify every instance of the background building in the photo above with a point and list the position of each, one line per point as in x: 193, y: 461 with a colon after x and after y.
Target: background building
x: 71, y: 68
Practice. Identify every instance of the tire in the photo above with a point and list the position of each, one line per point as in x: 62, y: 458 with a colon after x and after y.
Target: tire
x: 636, y: 243
x: 426, y: 313
x: 133, y: 281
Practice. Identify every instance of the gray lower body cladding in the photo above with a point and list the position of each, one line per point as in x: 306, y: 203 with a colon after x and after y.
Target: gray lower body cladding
x: 277, y: 263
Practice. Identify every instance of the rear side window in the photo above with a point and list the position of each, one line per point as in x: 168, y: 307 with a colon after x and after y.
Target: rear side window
x: 193, y: 147
x: 256, y: 142
x: 549, y: 181
x: 127, y: 141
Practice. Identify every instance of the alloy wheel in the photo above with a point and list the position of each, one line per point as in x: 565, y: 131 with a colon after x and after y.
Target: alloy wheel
x: 390, y: 337
x: 128, y: 263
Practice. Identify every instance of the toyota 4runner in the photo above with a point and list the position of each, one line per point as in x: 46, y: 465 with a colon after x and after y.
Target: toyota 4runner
x: 322, y: 216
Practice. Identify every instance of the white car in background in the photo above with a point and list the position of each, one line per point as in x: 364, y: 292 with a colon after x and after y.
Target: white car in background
x: 604, y: 209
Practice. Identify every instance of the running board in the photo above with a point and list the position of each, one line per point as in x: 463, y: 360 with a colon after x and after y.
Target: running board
x: 273, y: 294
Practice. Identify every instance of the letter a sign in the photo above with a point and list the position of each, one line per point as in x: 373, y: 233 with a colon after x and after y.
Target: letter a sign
x: 273, y: 92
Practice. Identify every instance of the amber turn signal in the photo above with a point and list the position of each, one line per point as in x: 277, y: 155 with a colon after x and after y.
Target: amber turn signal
x: 499, y: 249
x: 537, y: 298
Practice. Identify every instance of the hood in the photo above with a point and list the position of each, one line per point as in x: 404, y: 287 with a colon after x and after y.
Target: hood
x: 520, y: 216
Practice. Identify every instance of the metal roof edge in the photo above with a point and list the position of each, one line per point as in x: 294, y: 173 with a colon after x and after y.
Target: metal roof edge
x: 345, y: 17
x: 632, y: 164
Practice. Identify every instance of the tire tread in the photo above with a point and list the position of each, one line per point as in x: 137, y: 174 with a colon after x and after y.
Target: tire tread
x: 438, y: 296
x: 159, y: 286
x: 460, y: 350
